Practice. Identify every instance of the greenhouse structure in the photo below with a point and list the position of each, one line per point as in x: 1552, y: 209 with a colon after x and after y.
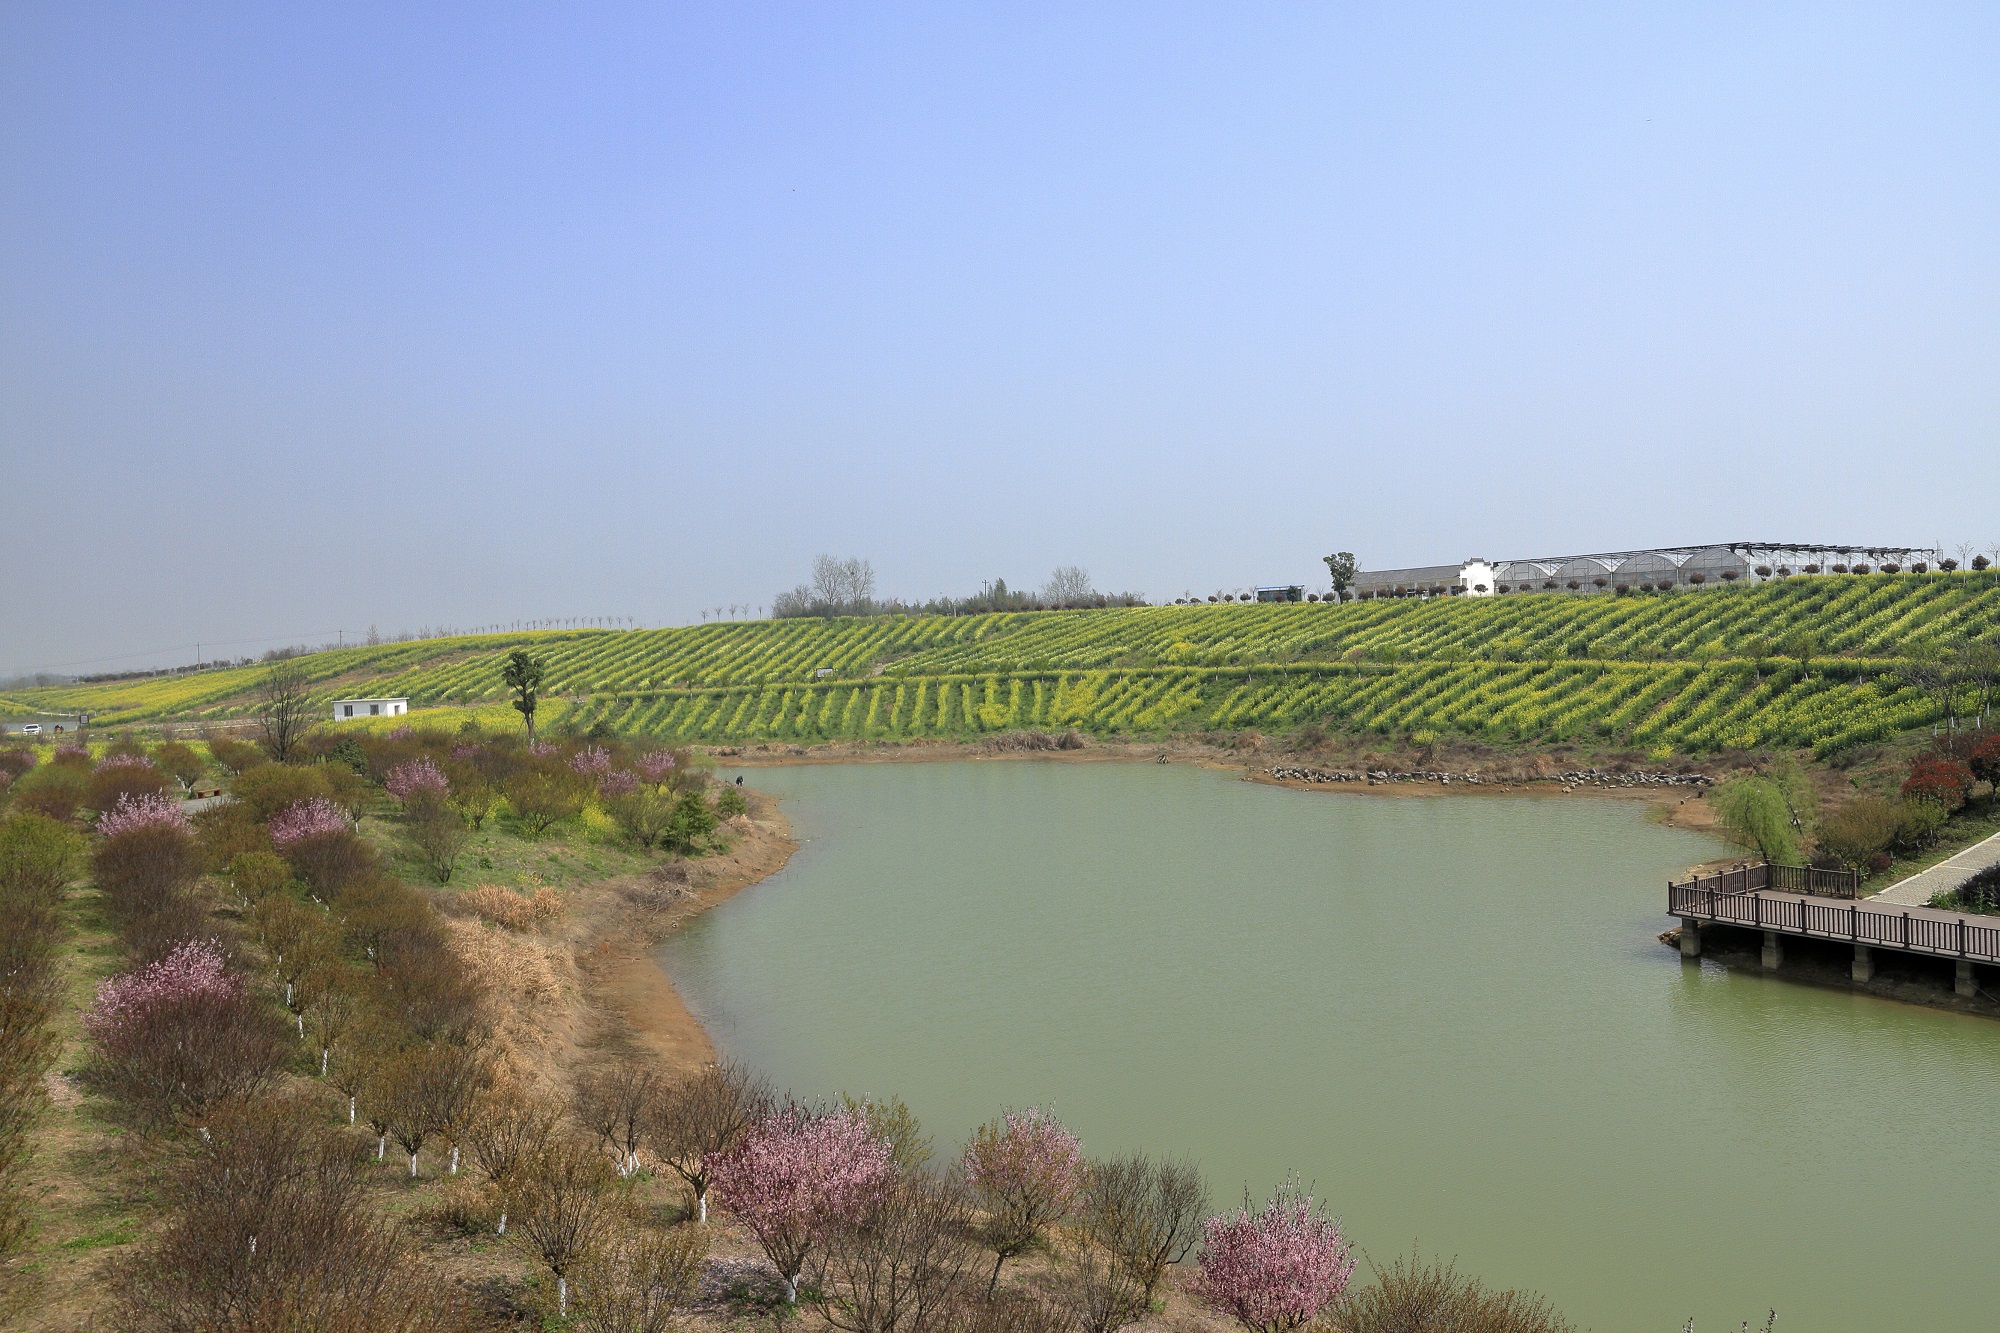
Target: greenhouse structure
x: 1650, y: 570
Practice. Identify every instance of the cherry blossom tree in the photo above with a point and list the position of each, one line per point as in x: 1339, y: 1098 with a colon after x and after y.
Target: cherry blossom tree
x: 1277, y: 1269
x: 132, y: 814
x: 417, y: 780
x: 618, y: 782
x: 794, y: 1173
x: 317, y: 838
x: 591, y: 761
x: 1028, y: 1171
x: 655, y: 766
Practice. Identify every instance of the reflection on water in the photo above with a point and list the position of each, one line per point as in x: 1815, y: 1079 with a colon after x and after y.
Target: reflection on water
x: 1450, y: 1013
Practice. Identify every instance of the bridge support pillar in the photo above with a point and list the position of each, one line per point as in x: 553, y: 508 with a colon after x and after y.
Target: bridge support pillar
x: 1774, y: 951
x: 1968, y: 981
x: 1690, y: 937
x: 1864, y: 965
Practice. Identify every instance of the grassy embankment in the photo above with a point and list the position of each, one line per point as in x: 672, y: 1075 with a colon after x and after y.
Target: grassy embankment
x: 1666, y: 674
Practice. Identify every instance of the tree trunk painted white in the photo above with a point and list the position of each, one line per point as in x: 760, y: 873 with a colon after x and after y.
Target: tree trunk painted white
x: 413, y: 1166
x: 454, y: 1159
x: 323, y: 1053
x: 381, y: 1147
x: 792, y: 1289
x: 562, y: 1298
x: 350, y: 1110
x: 501, y: 1230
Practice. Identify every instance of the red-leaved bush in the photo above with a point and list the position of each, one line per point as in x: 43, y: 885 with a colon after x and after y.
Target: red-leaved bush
x: 1277, y: 1269
x: 795, y: 1173
x: 1940, y: 778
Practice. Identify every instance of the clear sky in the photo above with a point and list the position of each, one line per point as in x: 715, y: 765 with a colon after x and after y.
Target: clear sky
x: 318, y: 317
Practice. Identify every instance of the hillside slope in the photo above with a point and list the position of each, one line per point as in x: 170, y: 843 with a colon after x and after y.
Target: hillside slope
x: 1681, y: 672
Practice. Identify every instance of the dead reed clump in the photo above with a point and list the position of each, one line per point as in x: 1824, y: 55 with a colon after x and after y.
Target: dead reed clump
x: 505, y: 908
x: 459, y: 1207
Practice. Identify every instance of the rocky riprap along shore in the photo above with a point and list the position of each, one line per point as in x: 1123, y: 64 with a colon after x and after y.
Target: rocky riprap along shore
x: 1587, y: 777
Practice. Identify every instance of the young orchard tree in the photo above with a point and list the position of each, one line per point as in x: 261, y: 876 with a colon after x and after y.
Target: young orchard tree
x: 701, y: 1116
x: 616, y: 1104
x: 439, y: 836
x: 1028, y: 1172
x: 509, y: 1135
x: 1276, y: 1269
x: 796, y: 1174
x: 639, y: 1280
x: 1147, y: 1214
x: 905, y: 1265
x: 1340, y: 567
x: 523, y: 675
x: 180, y: 760
x: 567, y: 1208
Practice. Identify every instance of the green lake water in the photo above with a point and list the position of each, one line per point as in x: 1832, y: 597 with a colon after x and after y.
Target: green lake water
x: 1450, y: 1015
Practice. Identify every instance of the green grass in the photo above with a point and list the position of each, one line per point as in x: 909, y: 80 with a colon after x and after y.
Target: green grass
x: 1671, y: 673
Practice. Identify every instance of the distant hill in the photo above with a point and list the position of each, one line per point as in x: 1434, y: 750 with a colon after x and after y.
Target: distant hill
x: 1681, y: 672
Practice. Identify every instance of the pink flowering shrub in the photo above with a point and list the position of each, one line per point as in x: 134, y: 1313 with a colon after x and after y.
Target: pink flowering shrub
x: 1028, y: 1171
x: 123, y: 775
x: 795, y: 1173
x: 541, y: 749
x: 302, y: 820
x: 655, y: 766
x: 316, y: 837
x: 465, y: 750
x: 196, y: 968
x: 114, y: 761
x: 132, y: 813
x: 591, y: 760
x: 418, y: 779
x: 618, y: 782
x: 1277, y: 1269
x: 403, y: 733
x: 181, y: 1034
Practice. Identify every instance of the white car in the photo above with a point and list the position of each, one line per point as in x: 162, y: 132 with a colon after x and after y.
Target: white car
x: 32, y: 729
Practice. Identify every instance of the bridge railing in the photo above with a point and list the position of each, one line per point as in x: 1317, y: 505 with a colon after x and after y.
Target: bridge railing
x: 1784, y: 879
x: 1915, y: 930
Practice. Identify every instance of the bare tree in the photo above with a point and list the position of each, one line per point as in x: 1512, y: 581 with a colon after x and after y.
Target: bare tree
x: 284, y: 712
x: 1069, y: 585
x: 842, y: 584
x: 1096, y: 1288
x: 1147, y: 1214
x: 508, y: 1137
x: 640, y: 1280
x: 701, y: 1115
x: 905, y: 1266
x: 567, y: 1208
x: 616, y: 1105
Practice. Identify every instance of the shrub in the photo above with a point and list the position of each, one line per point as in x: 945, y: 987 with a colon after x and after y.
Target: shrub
x: 1860, y: 830
x: 540, y: 798
x: 39, y: 856
x: 257, y: 875
x: 639, y: 1280
x: 236, y: 756
x: 226, y: 832
x: 419, y: 784
x: 268, y: 788
x: 1982, y: 756
x: 123, y: 777
x: 439, y: 836
x: 55, y: 790
x: 1147, y: 1214
x: 267, y: 1226
x: 1412, y: 1296
x: 181, y: 761
x: 16, y: 760
x: 1755, y: 811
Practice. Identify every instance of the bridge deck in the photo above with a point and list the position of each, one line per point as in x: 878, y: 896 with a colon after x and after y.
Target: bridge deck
x: 1918, y: 930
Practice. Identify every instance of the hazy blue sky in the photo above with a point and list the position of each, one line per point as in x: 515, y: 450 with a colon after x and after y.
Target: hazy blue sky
x: 318, y: 317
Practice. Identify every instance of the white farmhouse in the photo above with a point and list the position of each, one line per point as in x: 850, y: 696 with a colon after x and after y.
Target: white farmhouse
x: 345, y: 710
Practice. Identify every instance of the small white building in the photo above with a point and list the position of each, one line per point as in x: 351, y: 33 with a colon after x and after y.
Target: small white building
x: 345, y: 710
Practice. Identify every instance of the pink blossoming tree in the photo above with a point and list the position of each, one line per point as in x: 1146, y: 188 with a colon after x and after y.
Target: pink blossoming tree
x: 618, y: 782
x: 316, y: 837
x: 133, y: 814
x: 1277, y: 1269
x: 1028, y: 1171
x: 655, y: 766
x: 304, y: 820
x: 195, y: 969
x: 417, y: 780
x: 793, y: 1174
x: 591, y: 761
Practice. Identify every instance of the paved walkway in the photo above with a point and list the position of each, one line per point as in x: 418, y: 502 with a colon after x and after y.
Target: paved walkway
x: 1920, y: 888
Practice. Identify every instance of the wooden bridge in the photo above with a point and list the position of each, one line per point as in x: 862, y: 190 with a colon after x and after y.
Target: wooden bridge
x: 1807, y: 908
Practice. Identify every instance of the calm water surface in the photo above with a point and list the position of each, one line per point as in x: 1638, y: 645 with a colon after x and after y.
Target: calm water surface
x: 1451, y: 1015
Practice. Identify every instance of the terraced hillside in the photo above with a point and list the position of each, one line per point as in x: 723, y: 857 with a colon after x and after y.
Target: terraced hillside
x: 1680, y: 672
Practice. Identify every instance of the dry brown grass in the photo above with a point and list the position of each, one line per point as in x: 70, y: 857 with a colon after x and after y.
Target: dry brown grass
x: 503, y: 907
